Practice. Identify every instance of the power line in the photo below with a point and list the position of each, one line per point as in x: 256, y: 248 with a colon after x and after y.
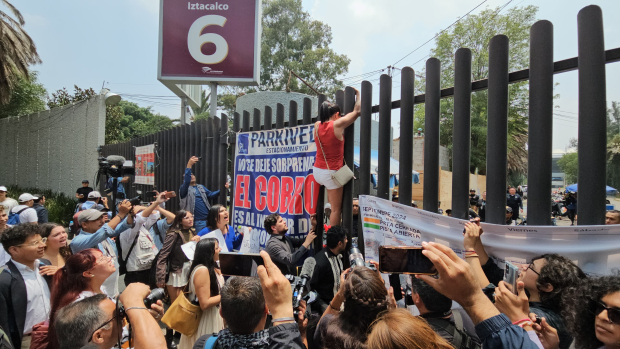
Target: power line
x: 436, y: 35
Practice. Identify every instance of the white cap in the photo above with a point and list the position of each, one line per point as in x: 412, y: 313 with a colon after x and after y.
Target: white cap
x: 3, y: 188
x: 327, y: 205
x: 26, y: 197
x: 94, y: 194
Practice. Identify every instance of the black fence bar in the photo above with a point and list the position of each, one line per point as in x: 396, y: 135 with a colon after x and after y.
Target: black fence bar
x: 223, y: 160
x: 268, y: 118
x: 385, y: 141
x: 431, y: 136
x: 406, y: 136
x: 592, y: 117
x: 563, y: 66
x: 208, y: 160
x: 497, y: 130
x: 246, y: 121
x: 307, y: 119
x: 256, y: 120
x: 206, y: 146
x: 216, y: 158
x: 292, y: 114
x: 349, y: 149
x: 540, y: 132
x: 320, y: 206
x: 279, y: 116
x: 461, y: 134
x: 365, y: 148
x: 233, y: 142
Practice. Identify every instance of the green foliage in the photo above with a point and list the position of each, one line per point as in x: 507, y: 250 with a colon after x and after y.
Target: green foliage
x: 139, y: 121
x: 569, y: 163
x: 27, y: 97
x: 475, y: 32
x: 292, y: 40
x: 113, y: 117
x: 63, y: 97
x: 613, y: 120
x: 60, y: 207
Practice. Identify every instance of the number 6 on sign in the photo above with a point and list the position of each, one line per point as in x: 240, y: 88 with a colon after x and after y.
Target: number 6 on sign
x: 195, y: 41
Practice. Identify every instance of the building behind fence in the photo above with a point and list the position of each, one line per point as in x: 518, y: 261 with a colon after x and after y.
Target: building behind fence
x: 53, y: 149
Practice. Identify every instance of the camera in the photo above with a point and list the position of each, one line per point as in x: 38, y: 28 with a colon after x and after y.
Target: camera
x: 298, y: 283
x: 136, y: 201
x: 155, y: 295
x: 356, y: 258
x: 115, y: 166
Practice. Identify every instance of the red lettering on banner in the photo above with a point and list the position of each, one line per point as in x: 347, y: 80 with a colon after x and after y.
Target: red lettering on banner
x: 238, y: 191
x: 261, y: 187
x: 246, y: 192
x: 311, y: 194
x: 273, y: 194
x: 297, y: 202
x: 286, y: 193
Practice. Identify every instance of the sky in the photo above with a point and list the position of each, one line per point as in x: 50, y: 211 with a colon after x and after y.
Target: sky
x: 87, y: 43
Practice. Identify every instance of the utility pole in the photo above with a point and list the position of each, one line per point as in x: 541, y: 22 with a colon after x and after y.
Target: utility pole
x: 184, y: 111
x: 213, y: 102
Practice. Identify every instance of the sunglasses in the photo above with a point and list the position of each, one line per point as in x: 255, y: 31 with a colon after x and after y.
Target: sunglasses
x: 613, y: 314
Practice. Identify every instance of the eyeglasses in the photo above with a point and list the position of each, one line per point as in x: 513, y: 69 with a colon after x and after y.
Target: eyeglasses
x: 120, y: 315
x: 613, y: 315
x: 531, y: 267
x: 104, y: 259
x: 34, y: 243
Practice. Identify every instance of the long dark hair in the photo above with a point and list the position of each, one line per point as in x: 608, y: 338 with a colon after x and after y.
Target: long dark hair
x: 69, y: 281
x: 365, y: 298
x: 177, y: 224
x: 578, y: 310
x: 328, y: 110
x: 205, y: 255
x: 46, y: 231
x: 214, y: 217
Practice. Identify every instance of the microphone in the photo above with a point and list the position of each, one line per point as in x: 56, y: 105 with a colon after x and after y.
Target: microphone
x: 306, y: 274
x: 116, y: 160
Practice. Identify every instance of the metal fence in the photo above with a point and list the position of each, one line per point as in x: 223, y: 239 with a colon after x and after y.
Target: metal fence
x: 210, y: 138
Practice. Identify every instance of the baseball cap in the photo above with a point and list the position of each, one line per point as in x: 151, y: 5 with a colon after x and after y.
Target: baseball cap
x: 85, y: 181
x: 89, y: 215
x: 3, y: 188
x: 508, y: 209
x: 472, y: 189
x: 26, y: 197
x: 94, y: 194
x: 327, y: 205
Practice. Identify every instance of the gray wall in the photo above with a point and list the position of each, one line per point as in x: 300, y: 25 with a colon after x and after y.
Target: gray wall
x: 259, y: 100
x: 53, y: 149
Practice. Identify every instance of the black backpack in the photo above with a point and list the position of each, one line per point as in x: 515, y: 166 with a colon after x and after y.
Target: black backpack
x: 122, y: 264
x: 460, y: 338
x: 5, y: 342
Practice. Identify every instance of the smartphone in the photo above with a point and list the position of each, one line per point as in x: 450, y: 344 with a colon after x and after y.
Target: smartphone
x: 511, y: 274
x: 240, y: 264
x: 171, y: 194
x: 404, y: 260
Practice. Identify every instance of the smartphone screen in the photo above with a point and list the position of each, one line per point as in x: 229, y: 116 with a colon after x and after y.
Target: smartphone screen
x: 240, y: 264
x: 404, y: 260
x: 511, y: 274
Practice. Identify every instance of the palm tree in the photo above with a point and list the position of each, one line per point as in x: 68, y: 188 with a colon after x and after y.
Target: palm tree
x: 17, y: 51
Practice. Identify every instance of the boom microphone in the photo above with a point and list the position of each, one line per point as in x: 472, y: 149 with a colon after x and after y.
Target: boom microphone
x: 115, y: 160
x: 306, y: 274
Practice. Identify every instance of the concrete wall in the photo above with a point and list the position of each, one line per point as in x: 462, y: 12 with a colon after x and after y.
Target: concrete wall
x: 53, y: 149
x: 259, y: 100
x: 418, y: 154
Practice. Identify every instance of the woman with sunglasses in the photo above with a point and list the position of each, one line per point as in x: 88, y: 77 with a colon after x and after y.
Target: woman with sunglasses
x: 329, y: 139
x: 81, y: 277
x: 56, y: 249
x: 592, y: 314
x: 204, y: 286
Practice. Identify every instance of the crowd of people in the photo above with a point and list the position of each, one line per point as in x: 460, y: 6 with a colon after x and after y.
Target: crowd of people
x: 62, y: 293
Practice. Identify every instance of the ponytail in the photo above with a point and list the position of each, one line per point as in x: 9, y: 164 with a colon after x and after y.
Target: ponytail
x: 327, y: 110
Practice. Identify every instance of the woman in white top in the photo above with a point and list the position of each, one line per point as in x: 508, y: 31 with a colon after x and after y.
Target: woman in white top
x: 204, y: 286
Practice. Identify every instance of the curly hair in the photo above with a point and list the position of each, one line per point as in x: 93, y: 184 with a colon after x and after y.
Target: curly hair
x: 365, y: 299
x: 578, y: 314
x: 559, y: 272
x: 270, y: 221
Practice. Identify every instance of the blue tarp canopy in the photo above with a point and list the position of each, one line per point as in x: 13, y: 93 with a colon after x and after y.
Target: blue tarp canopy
x: 608, y: 189
x: 374, y: 163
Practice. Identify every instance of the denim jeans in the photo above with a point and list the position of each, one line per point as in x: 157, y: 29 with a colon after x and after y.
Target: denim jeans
x: 199, y: 225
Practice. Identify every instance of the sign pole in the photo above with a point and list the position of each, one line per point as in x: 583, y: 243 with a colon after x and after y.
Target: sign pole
x: 213, y: 102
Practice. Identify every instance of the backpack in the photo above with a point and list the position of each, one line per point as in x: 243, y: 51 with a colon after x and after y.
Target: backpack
x: 122, y: 264
x: 14, y: 216
x: 460, y: 338
x: 210, y: 343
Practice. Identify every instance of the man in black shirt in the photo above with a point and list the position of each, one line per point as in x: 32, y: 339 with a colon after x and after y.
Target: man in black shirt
x: 454, y: 325
x: 329, y: 265
x: 82, y: 193
x: 280, y: 246
x: 515, y: 202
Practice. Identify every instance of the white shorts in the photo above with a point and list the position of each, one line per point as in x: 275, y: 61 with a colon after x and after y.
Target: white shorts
x: 324, y: 178
x: 180, y: 279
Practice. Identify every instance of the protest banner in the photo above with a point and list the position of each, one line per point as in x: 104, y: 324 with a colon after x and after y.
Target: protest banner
x: 145, y: 165
x: 273, y: 174
x: 595, y: 249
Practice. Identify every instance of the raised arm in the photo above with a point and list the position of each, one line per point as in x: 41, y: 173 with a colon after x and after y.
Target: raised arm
x: 350, y: 118
x: 470, y: 239
x: 187, y: 178
x: 161, y: 198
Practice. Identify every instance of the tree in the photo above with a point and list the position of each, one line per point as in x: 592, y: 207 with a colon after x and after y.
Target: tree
x: 569, y: 164
x: 27, y: 97
x: 475, y: 32
x: 613, y: 120
x: 202, y: 112
x: 17, y: 51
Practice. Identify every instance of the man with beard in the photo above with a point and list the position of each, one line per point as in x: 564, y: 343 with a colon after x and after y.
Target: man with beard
x: 280, y: 246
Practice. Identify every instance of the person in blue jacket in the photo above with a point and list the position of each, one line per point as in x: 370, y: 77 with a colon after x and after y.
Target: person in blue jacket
x: 218, y: 219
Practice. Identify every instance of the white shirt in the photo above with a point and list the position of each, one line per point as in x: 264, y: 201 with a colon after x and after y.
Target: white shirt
x: 38, y: 295
x: 27, y: 216
x: 8, y: 204
x: 144, y: 251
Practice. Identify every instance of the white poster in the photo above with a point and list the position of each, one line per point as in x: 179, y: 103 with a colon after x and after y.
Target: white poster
x: 217, y: 234
x: 145, y: 165
x: 595, y: 249
x: 251, y: 241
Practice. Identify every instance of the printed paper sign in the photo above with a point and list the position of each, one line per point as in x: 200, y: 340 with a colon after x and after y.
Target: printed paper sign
x: 145, y: 165
x: 217, y: 234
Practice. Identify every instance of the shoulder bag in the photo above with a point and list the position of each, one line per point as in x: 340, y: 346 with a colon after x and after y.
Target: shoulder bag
x: 343, y: 175
x: 183, y: 316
